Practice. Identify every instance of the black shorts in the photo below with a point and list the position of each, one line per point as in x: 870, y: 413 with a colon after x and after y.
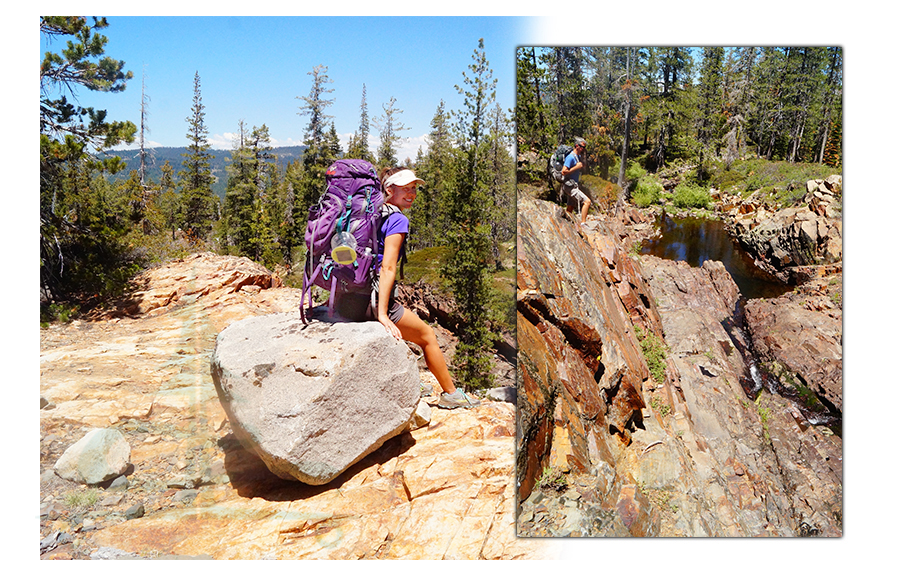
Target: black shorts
x: 358, y: 308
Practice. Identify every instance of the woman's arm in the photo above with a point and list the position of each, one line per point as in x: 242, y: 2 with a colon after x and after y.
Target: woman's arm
x: 386, y: 277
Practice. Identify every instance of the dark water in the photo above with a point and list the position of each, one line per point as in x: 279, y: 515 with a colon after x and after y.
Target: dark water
x: 698, y: 240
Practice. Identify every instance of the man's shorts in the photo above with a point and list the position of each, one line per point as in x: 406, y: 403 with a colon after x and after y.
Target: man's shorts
x: 575, y: 197
x: 358, y: 308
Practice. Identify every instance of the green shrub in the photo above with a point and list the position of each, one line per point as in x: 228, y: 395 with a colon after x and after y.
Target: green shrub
x: 691, y: 195
x: 647, y: 191
x: 634, y: 171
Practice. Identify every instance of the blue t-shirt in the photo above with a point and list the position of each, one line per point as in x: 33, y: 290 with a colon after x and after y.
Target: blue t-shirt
x: 395, y: 223
x: 572, y: 160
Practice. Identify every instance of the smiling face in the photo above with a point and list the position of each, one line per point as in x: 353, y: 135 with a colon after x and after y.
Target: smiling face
x: 402, y: 196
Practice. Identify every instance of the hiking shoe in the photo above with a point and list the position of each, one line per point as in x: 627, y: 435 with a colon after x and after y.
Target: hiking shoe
x: 458, y: 399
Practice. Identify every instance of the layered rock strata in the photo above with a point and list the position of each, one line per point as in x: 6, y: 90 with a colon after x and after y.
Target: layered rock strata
x: 810, y: 233
x: 699, y: 458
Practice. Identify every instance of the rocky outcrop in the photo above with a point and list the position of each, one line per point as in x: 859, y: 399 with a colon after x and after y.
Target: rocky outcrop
x: 580, y: 369
x: 700, y: 457
x: 806, y: 234
x: 200, y: 274
x: 445, y: 490
x: 779, y: 478
x: 313, y: 400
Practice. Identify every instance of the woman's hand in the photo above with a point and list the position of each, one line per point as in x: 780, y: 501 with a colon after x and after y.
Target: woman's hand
x: 390, y: 326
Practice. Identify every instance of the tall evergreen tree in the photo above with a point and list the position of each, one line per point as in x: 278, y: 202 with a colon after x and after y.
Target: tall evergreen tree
x: 81, y: 235
x: 469, y: 233
x: 831, y: 105
x: 502, y: 215
x: 199, y: 204
x: 359, y: 143
x: 534, y: 127
x: 428, y: 220
x: 711, y: 118
x: 389, y: 128
x: 317, y: 157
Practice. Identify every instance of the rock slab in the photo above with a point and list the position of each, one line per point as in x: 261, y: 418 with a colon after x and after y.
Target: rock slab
x: 101, y: 455
x: 312, y: 400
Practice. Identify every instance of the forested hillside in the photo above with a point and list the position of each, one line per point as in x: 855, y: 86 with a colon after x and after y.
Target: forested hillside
x: 103, y: 219
x: 157, y: 157
x: 700, y: 107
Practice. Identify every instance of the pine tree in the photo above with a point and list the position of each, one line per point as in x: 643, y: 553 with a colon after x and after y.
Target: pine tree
x: 389, y: 128
x: 317, y: 157
x: 502, y: 216
x: 359, y: 143
x: 81, y: 236
x: 166, y: 199
x: 199, y: 204
x: 533, y: 119
x: 711, y: 119
x: 468, y: 237
x: 428, y: 221
x: 831, y: 100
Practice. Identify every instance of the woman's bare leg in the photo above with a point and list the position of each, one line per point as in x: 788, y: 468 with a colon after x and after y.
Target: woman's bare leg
x: 415, y: 330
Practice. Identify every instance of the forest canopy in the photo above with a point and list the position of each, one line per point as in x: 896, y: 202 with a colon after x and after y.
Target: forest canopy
x: 660, y: 105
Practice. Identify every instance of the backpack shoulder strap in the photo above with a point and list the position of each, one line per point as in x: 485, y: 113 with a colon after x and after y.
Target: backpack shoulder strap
x: 386, y: 211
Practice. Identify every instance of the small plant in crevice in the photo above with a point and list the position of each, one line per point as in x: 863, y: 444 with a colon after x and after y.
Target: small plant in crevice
x: 553, y: 478
x: 661, y: 498
x: 635, y: 249
x: 764, y: 413
x: 659, y: 406
x: 654, y: 351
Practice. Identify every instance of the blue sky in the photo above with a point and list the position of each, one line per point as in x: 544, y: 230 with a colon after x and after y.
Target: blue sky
x: 254, y: 68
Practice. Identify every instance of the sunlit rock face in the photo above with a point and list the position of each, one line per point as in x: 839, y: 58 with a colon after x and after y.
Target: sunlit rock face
x: 685, y: 453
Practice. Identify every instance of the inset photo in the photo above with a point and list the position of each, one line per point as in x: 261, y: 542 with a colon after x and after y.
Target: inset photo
x: 679, y: 291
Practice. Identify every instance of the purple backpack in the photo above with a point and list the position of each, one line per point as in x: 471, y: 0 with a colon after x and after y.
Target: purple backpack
x: 347, y: 215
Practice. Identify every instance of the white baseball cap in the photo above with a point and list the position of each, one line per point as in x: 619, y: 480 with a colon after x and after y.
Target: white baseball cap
x: 401, y: 178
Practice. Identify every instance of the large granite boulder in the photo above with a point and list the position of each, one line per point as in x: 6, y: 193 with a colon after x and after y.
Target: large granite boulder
x: 312, y: 400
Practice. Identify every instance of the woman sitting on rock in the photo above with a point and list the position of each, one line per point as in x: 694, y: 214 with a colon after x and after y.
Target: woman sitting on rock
x: 399, y: 189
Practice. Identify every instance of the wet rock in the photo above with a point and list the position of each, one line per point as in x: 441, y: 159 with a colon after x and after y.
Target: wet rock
x: 101, y: 455
x: 790, y: 332
x: 311, y: 401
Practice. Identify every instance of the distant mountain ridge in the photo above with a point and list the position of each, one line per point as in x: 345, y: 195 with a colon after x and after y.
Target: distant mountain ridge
x: 219, y: 159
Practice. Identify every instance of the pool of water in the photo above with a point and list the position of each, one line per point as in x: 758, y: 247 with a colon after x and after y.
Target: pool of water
x: 697, y: 240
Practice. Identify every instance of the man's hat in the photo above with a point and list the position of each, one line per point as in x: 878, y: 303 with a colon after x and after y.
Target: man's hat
x: 581, y: 142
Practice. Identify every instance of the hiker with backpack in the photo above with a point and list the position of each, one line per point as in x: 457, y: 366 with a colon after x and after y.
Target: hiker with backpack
x: 361, y: 279
x: 571, y: 172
